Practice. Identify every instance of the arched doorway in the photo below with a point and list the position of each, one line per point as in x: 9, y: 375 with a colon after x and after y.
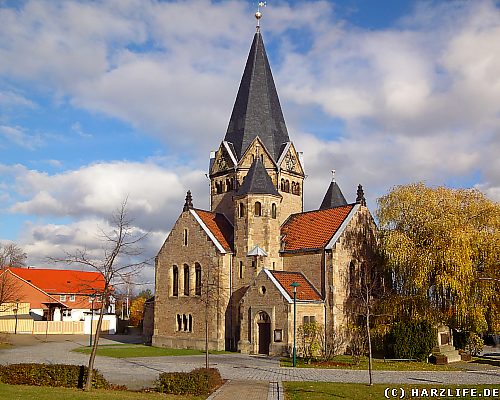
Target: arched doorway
x: 264, y: 324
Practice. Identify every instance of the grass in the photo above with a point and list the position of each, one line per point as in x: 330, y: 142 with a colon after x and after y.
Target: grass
x: 21, y: 392
x: 346, y: 362
x: 359, y: 391
x: 139, y: 350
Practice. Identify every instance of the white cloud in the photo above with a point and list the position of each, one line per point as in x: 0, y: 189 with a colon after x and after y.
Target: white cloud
x: 18, y: 135
x: 155, y: 194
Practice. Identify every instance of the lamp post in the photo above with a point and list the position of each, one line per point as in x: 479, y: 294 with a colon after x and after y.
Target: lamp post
x: 15, y: 312
x: 294, y: 285
x: 92, y: 298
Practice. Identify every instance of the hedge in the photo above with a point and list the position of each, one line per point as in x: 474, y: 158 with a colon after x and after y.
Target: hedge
x: 200, y: 381
x: 413, y: 340
x: 71, y: 376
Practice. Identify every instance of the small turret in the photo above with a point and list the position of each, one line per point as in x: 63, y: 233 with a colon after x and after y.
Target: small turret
x: 189, y: 201
x: 360, y: 199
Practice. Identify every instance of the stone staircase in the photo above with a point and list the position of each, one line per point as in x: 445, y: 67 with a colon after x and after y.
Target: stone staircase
x: 448, y: 351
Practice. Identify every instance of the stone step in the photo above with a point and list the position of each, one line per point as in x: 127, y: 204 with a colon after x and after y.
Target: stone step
x: 449, y: 351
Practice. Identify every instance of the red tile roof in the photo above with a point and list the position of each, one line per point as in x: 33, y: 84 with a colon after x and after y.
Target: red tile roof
x: 313, y: 229
x: 219, y: 226
x: 306, y: 291
x: 62, y: 281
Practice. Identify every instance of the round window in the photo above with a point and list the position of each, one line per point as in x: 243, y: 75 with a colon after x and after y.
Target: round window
x: 262, y: 290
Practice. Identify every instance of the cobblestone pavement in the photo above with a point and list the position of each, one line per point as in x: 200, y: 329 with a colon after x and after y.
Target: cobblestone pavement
x: 236, y: 389
x: 136, y: 373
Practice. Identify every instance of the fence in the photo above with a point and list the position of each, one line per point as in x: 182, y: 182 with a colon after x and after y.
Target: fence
x: 50, y: 327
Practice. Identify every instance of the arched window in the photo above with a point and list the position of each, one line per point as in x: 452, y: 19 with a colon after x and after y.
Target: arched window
x: 287, y: 186
x: 186, y: 280
x: 242, y: 271
x: 262, y: 158
x: 293, y: 187
x: 218, y: 187
x: 258, y: 209
x: 297, y: 189
x: 282, y: 185
x: 179, y: 322
x: 175, y: 281
x: 197, y: 286
x: 185, y: 322
x: 273, y: 211
x: 190, y: 322
x: 241, y: 211
x: 185, y: 238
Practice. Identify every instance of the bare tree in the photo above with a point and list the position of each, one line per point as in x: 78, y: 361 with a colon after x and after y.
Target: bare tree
x: 11, y: 255
x: 120, y: 252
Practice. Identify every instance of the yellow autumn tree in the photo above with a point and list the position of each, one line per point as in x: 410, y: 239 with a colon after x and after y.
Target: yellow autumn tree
x: 137, y: 311
x: 442, y: 251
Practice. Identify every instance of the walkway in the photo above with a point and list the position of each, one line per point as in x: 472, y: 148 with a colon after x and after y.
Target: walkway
x: 239, y: 369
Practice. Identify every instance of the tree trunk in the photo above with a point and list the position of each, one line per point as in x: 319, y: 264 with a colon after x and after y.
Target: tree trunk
x: 90, y: 372
x: 206, y: 336
x: 369, y: 344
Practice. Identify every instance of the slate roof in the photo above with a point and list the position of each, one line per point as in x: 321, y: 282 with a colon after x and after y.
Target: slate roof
x: 305, y: 292
x: 257, y: 181
x: 257, y: 110
x: 219, y: 226
x: 62, y: 281
x: 333, y: 197
x: 313, y: 229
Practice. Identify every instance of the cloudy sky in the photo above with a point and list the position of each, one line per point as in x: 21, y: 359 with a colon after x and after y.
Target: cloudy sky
x: 107, y: 99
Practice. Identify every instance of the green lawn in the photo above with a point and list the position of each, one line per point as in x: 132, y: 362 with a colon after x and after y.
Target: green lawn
x: 346, y: 362
x: 21, y: 392
x: 139, y: 350
x: 358, y: 391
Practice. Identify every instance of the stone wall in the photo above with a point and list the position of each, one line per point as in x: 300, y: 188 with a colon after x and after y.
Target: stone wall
x: 215, y: 268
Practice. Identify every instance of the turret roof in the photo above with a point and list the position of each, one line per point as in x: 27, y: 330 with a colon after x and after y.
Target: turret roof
x: 257, y: 181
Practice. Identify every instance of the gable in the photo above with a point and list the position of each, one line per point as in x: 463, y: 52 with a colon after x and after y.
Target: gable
x: 290, y: 160
x: 248, y: 156
x: 315, y: 230
x: 224, y: 160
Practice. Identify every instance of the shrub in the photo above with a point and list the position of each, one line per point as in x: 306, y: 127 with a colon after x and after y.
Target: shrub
x: 308, y: 340
x: 71, y: 376
x: 200, y: 381
x: 412, y: 340
x: 475, y: 344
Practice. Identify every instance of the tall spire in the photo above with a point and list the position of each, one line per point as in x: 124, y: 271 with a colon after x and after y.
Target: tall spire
x: 257, y: 110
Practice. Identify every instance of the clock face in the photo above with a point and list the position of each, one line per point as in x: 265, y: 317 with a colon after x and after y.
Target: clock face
x: 290, y: 161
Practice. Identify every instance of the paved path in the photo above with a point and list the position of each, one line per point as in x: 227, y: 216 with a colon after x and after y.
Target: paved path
x: 236, y: 389
x: 136, y: 373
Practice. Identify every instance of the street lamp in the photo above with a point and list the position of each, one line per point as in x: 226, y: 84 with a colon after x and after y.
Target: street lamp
x: 92, y: 298
x: 294, y: 285
x: 15, y: 312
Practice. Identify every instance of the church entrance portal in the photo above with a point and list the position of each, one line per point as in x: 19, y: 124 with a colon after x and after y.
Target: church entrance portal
x: 264, y: 324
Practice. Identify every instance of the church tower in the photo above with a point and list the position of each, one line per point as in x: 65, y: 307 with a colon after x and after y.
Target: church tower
x: 256, y: 129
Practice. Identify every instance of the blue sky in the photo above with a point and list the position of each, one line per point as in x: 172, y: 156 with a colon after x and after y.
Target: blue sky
x: 106, y: 99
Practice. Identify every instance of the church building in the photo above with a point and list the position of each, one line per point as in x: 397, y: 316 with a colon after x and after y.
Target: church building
x: 230, y: 269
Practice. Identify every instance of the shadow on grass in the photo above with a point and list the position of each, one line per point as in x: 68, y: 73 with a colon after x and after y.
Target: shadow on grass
x: 487, y: 361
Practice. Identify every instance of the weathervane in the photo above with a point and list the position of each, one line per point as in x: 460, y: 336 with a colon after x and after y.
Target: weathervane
x: 258, y: 14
